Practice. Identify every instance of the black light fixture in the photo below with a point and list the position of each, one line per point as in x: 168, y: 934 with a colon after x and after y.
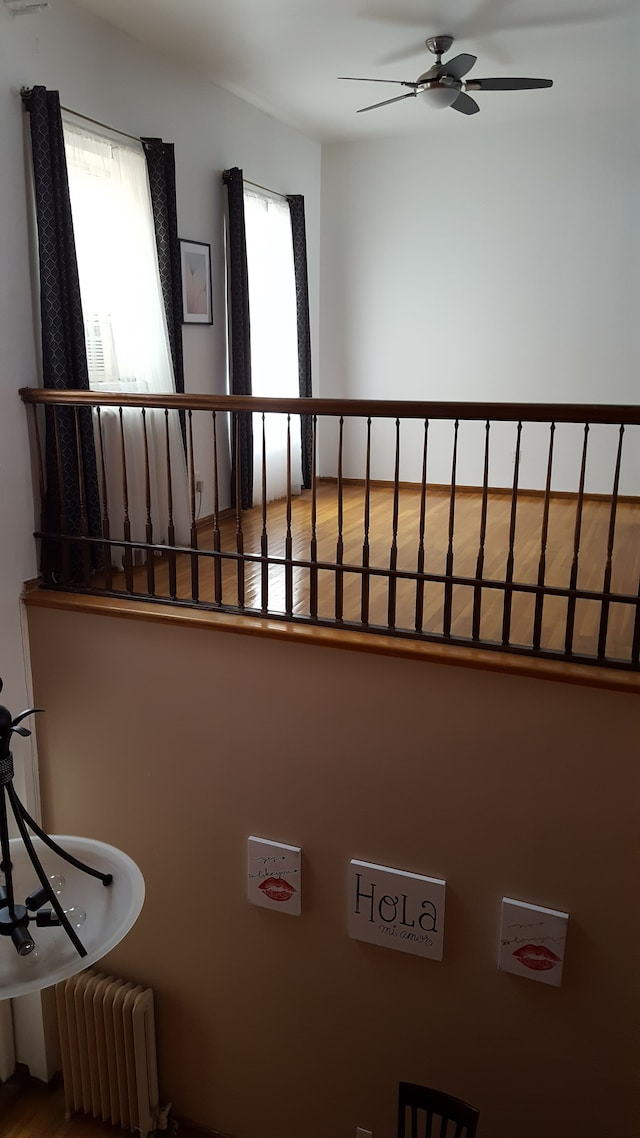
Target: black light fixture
x: 83, y: 912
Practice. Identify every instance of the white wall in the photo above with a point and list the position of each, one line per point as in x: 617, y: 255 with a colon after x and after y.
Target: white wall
x: 489, y: 264
x: 271, y: 1026
x: 102, y: 74
x: 486, y: 261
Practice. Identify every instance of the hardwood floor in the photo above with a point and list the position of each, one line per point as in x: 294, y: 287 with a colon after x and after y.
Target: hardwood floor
x: 33, y: 1110
x: 591, y: 562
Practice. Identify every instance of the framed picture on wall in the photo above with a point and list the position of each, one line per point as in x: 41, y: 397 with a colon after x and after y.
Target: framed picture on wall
x: 195, y: 262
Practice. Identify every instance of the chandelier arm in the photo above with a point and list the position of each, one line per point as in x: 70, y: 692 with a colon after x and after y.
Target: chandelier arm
x: 17, y: 808
x: 6, y: 853
x: 105, y: 878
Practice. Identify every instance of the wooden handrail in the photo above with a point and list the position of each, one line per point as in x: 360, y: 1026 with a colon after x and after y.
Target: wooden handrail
x: 362, y: 408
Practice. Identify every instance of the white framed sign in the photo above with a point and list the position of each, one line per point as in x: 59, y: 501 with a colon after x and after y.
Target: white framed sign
x: 532, y: 941
x: 273, y: 875
x: 396, y: 909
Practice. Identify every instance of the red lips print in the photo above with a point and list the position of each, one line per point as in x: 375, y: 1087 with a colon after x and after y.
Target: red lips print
x: 277, y: 889
x: 537, y: 957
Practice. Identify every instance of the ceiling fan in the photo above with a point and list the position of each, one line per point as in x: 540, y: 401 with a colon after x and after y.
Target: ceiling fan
x: 443, y: 85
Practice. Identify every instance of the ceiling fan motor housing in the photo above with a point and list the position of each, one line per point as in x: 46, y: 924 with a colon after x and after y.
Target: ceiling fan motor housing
x: 439, y: 45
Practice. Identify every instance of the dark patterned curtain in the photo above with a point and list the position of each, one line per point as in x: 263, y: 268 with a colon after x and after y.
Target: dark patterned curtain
x: 161, y: 165
x: 72, y: 502
x: 299, y: 235
x: 240, y: 336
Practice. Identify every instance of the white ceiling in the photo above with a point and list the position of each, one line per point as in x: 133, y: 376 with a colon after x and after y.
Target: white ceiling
x: 285, y: 55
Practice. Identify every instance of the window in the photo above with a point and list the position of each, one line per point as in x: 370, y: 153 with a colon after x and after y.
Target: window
x: 274, y: 335
x: 125, y: 328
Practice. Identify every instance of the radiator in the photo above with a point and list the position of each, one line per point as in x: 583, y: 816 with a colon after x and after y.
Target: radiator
x: 108, y: 1050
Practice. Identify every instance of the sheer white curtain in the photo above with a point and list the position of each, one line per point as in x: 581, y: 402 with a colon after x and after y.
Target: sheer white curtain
x: 274, y: 337
x: 126, y: 334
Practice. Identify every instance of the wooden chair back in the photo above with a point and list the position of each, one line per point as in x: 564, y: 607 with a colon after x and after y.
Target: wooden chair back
x: 427, y: 1113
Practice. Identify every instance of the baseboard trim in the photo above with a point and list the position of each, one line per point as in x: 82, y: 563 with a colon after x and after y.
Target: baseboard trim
x: 197, y: 1128
x: 501, y: 491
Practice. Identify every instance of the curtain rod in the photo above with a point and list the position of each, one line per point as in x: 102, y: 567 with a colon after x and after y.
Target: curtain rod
x: 96, y: 122
x: 26, y: 90
x: 266, y: 189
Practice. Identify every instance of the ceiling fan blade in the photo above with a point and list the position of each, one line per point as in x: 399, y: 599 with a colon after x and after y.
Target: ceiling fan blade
x: 402, y: 54
x: 465, y: 104
x: 411, y: 95
x: 360, y: 79
x: 491, y: 16
x: 507, y: 84
x: 458, y: 66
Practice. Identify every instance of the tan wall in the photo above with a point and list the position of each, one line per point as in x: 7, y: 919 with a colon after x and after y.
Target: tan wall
x: 177, y: 743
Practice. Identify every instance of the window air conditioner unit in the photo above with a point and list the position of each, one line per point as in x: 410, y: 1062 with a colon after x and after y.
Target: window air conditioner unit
x: 101, y: 355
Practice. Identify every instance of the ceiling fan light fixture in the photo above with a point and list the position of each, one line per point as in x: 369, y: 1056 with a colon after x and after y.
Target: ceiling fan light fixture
x: 437, y: 97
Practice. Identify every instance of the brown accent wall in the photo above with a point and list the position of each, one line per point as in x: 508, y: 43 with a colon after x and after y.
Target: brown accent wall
x: 176, y: 743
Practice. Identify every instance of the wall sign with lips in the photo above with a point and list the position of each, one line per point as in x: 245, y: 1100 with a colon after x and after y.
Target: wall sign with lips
x: 532, y: 941
x: 273, y: 875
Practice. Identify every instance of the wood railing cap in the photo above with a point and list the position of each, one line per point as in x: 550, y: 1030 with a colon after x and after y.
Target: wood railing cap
x: 618, y: 414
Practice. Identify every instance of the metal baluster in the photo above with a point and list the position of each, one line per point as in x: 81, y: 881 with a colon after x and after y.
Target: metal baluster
x: 508, y: 576
x: 635, y: 647
x: 542, y: 564
x: 448, y: 588
x: 264, y: 539
x: 340, y: 544
x: 573, y: 579
x: 288, y: 545
x: 606, y: 584
x: 477, y: 592
x: 83, y: 520
x: 393, y: 554
x: 64, y: 544
x: 195, y: 582
x: 39, y: 463
x: 128, y: 557
x: 171, y: 531
x: 313, y: 550
x: 239, y: 533
x: 364, y: 603
x: 150, y: 558
x: 421, y: 529
x: 217, y: 561
x: 106, y: 525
